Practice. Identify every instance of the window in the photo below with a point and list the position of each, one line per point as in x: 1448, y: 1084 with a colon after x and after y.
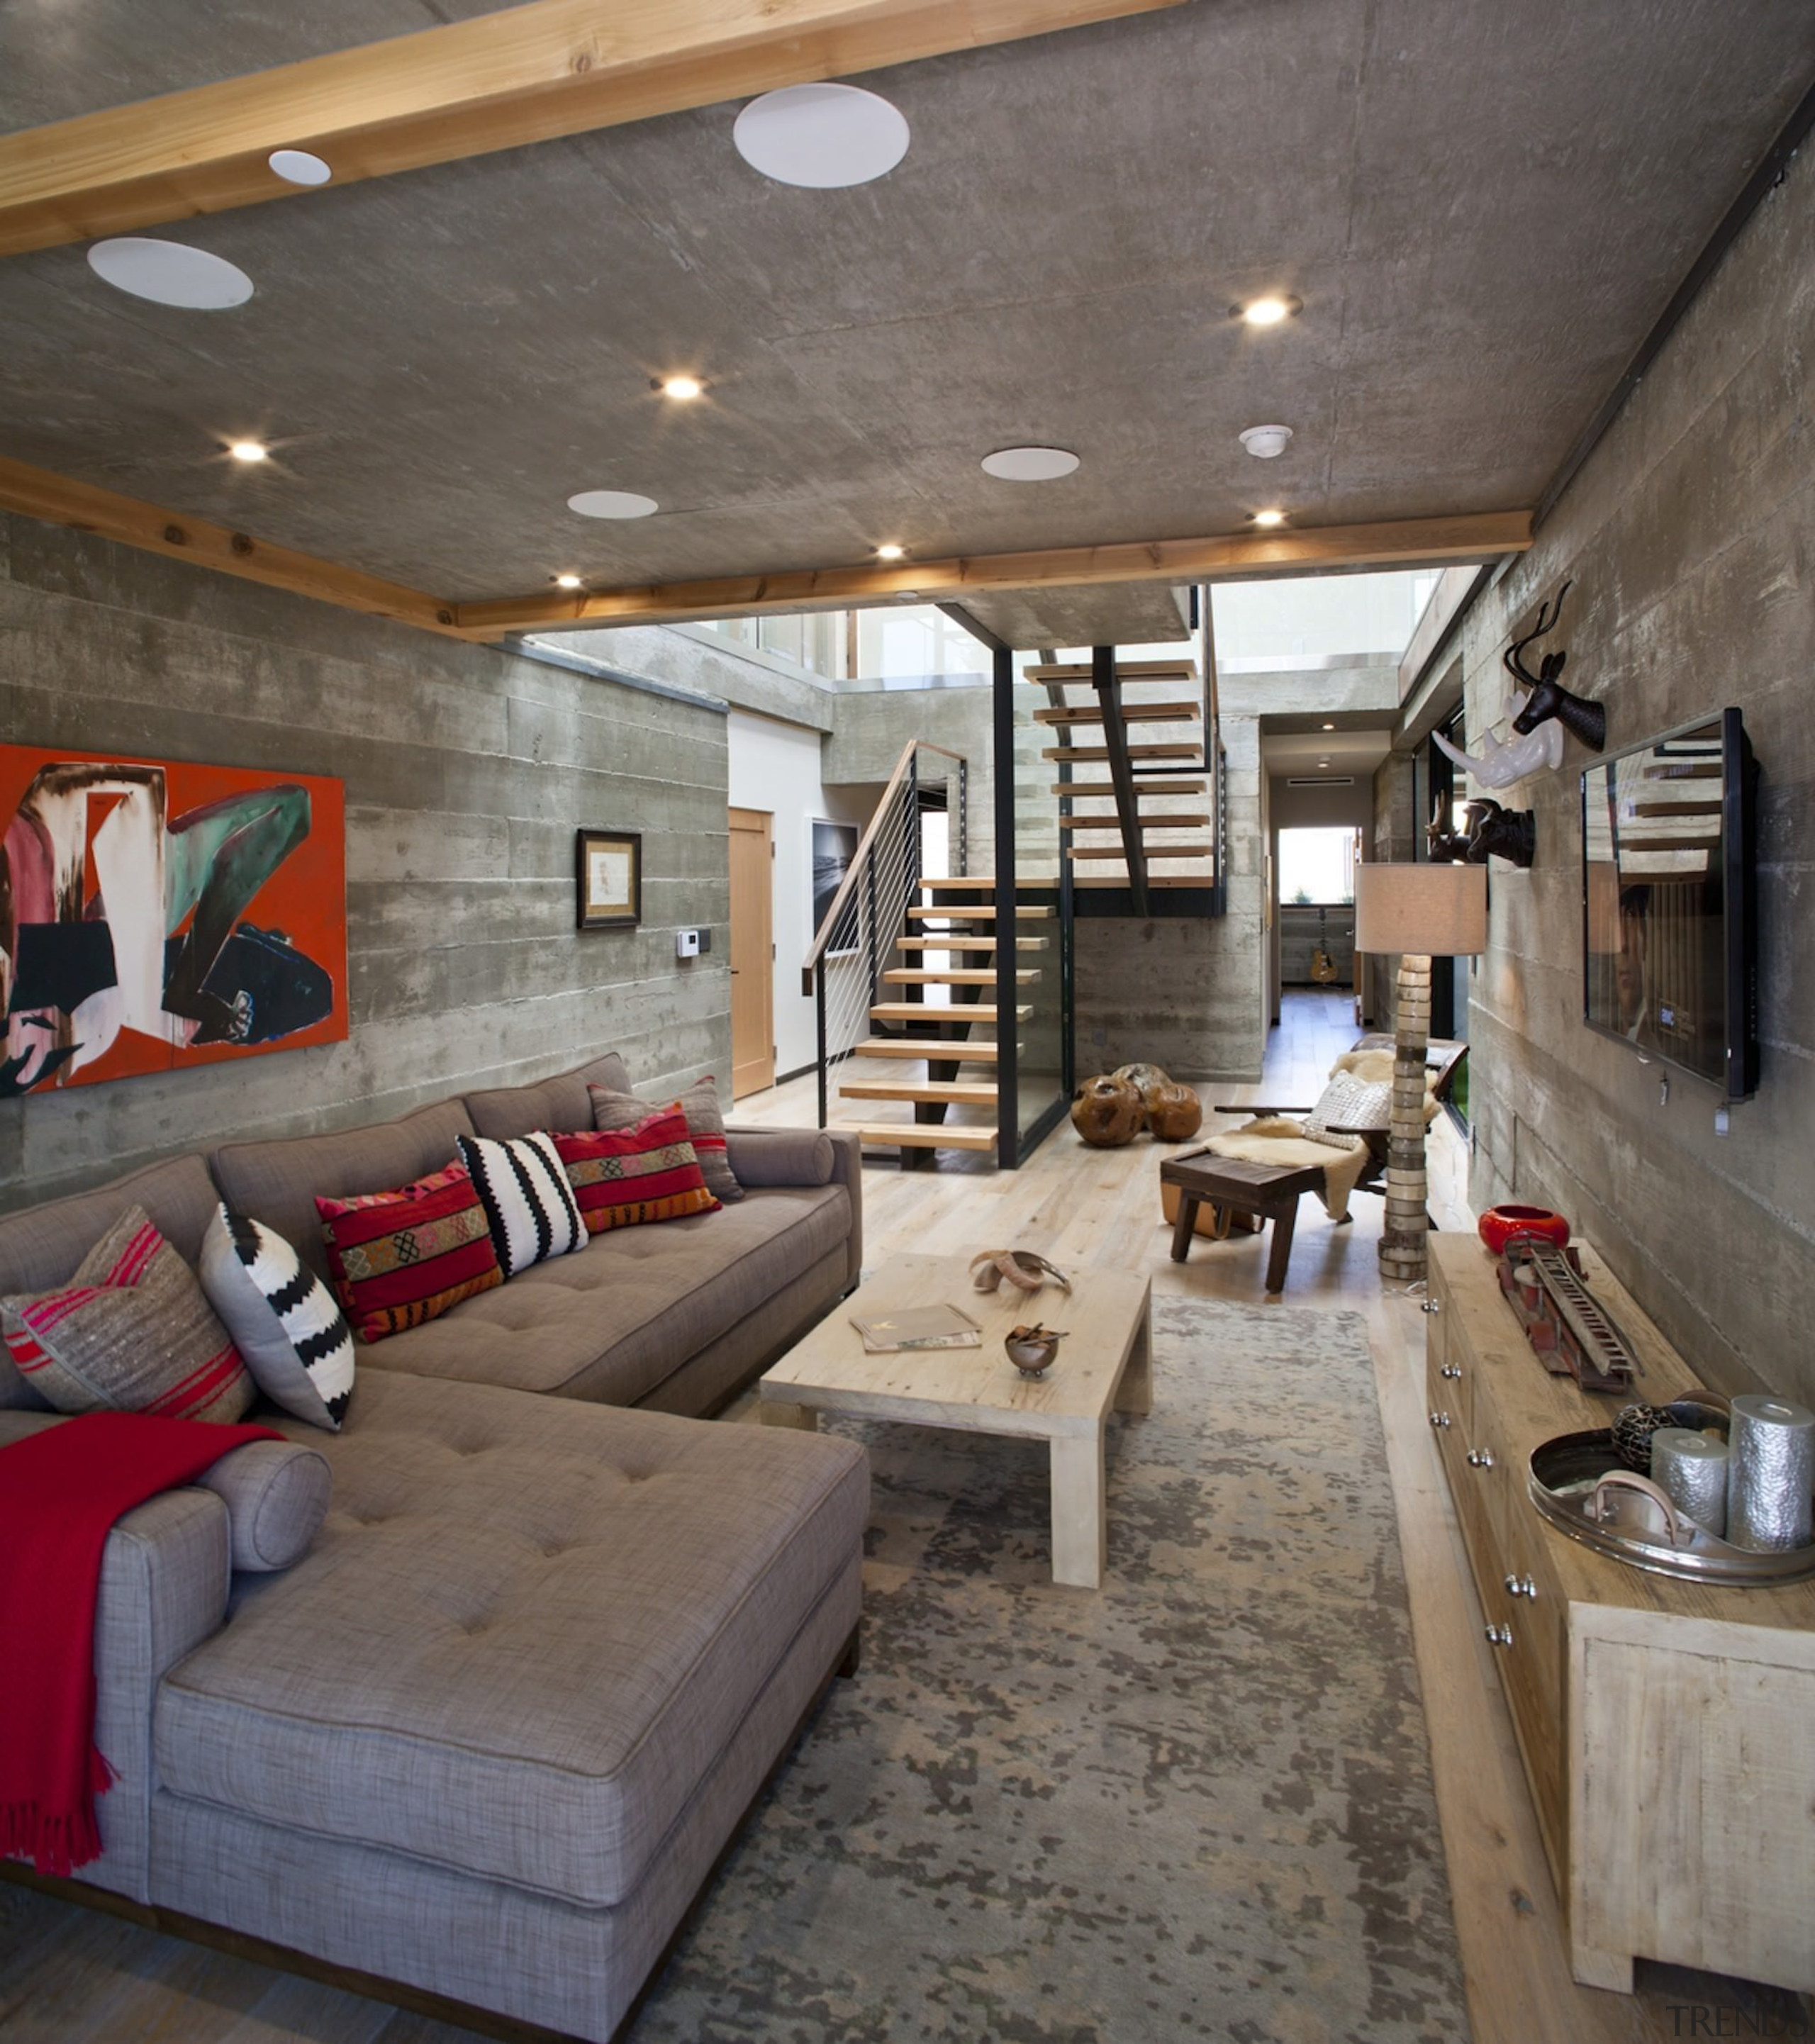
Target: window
x: 1317, y: 866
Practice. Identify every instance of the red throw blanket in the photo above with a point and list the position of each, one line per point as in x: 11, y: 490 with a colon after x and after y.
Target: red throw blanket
x: 61, y: 1490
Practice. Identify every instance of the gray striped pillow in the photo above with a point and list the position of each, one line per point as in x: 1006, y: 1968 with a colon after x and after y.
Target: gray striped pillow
x: 529, y: 1204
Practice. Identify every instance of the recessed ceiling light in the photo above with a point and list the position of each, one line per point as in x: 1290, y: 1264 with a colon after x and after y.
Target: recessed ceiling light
x: 889, y: 551
x: 820, y: 136
x: 684, y: 388
x: 248, y: 450
x: 1323, y: 763
x: 1270, y: 517
x: 1329, y: 726
x: 170, y: 273
x: 1268, y: 311
x: 567, y: 581
x: 298, y: 166
x: 1265, y: 443
x: 611, y: 504
x: 1029, y: 464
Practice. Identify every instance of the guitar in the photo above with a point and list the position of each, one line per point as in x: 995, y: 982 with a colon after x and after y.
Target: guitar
x: 1323, y: 965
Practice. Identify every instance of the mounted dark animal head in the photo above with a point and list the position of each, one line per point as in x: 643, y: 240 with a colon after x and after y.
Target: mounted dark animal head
x: 1447, y: 847
x: 1546, y: 697
x: 1501, y: 833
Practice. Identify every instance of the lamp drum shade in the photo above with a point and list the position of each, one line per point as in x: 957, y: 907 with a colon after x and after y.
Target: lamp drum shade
x: 1431, y: 910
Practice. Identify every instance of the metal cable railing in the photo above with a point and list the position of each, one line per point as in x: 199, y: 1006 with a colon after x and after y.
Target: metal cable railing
x: 856, y: 945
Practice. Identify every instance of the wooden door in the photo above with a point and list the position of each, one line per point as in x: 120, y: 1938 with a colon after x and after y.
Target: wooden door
x: 752, y: 953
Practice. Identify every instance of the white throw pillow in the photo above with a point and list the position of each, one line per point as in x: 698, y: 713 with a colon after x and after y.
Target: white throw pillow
x: 1347, y: 1103
x: 291, y: 1336
x: 529, y: 1204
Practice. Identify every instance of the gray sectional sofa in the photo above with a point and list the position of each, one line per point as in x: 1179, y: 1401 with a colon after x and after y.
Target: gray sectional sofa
x: 486, y: 1739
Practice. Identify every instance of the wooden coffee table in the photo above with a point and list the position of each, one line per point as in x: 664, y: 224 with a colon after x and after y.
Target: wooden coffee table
x: 1104, y: 1362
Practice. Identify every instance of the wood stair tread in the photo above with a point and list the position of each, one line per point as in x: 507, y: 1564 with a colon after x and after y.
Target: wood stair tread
x: 1153, y: 879
x: 976, y: 911
x: 1184, y: 820
x: 1148, y: 851
x: 980, y: 1053
x: 928, y: 1136
x: 1126, y: 670
x: 955, y: 1092
x: 951, y: 941
x: 1096, y: 754
x: 902, y: 975
x: 919, y: 1011
x: 1132, y: 712
x: 1168, y: 786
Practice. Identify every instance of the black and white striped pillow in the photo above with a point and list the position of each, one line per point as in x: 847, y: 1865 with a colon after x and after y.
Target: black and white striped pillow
x: 292, y: 1336
x: 523, y: 1187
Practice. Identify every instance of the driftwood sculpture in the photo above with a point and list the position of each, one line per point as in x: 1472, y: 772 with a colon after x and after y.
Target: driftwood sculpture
x: 1547, y: 698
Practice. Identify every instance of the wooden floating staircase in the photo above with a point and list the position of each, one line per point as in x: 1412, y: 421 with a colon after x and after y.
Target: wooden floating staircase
x: 1137, y: 804
x: 944, y: 1036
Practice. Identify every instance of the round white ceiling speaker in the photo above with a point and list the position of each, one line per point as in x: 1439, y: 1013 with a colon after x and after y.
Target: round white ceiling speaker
x: 821, y: 136
x: 611, y: 504
x: 1029, y: 464
x: 298, y: 166
x: 170, y: 273
x: 1264, y: 442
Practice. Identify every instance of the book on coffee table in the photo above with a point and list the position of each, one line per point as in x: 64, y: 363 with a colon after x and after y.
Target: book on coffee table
x: 918, y: 1328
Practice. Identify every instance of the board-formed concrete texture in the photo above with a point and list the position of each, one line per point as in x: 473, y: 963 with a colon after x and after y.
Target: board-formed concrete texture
x: 466, y: 773
x: 1690, y: 535
x: 1483, y: 208
x: 1129, y: 614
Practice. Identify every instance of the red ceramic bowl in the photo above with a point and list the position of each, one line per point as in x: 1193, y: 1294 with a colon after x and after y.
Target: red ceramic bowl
x: 1499, y: 1224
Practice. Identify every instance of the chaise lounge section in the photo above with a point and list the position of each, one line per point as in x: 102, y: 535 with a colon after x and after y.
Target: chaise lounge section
x: 488, y: 1736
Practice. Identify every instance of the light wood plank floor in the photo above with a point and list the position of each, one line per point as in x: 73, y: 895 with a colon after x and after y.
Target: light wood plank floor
x: 69, y: 1977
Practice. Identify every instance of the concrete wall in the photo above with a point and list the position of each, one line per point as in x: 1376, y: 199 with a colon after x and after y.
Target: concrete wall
x: 1395, y: 843
x: 467, y: 772
x: 1690, y: 534
x: 870, y: 727
x: 1190, y: 994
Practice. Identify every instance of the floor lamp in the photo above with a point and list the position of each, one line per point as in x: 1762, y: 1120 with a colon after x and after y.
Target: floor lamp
x: 1420, y: 911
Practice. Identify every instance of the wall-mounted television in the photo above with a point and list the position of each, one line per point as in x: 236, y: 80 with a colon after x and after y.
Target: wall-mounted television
x: 1669, y: 832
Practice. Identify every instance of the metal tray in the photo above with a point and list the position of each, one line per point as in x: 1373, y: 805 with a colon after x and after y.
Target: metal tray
x: 1563, y: 1473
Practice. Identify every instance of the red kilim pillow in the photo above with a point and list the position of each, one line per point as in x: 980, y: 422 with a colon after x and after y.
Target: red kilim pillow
x: 401, y: 1257
x: 648, y: 1172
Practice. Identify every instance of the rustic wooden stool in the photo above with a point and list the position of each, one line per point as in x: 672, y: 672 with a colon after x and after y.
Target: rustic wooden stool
x: 1268, y: 1190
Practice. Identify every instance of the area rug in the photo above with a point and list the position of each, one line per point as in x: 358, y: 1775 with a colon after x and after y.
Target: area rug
x: 1195, y: 1803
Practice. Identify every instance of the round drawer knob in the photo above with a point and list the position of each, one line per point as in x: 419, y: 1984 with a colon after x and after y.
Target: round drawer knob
x: 1520, y: 1586
x: 1451, y: 1369
x: 1439, y: 1419
x: 1498, y: 1635
x: 1481, y: 1459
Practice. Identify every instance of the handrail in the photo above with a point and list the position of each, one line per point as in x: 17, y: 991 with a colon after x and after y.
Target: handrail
x: 848, y: 886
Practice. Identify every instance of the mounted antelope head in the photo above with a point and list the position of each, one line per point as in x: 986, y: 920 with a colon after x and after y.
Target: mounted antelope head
x: 1546, y: 697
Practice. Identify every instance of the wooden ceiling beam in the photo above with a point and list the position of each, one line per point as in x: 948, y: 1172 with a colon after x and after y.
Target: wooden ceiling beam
x: 1307, y: 550
x: 527, y: 74
x: 36, y: 492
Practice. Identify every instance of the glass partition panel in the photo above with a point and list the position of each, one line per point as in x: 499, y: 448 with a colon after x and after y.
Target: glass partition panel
x: 1039, y: 929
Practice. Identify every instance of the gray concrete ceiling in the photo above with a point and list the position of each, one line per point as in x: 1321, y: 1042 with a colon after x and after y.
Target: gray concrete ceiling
x: 1129, y: 614
x: 1483, y: 205
x: 1357, y: 752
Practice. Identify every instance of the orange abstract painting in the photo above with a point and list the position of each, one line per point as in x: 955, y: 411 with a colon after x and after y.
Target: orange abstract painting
x: 154, y: 914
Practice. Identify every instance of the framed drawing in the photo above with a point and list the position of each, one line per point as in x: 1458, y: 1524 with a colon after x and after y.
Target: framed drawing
x: 609, y: 873
x: 834, y: 847
x: 156, y: 914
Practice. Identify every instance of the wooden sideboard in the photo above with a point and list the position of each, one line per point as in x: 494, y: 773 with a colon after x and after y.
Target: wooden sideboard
x: 1667, y: 1728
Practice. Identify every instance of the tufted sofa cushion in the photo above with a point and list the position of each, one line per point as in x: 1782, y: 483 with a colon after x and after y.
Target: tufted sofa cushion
x: 278, y: 1182
x: 524, y: 1634
x: 614, y: 1323
x: 561, y: 1104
